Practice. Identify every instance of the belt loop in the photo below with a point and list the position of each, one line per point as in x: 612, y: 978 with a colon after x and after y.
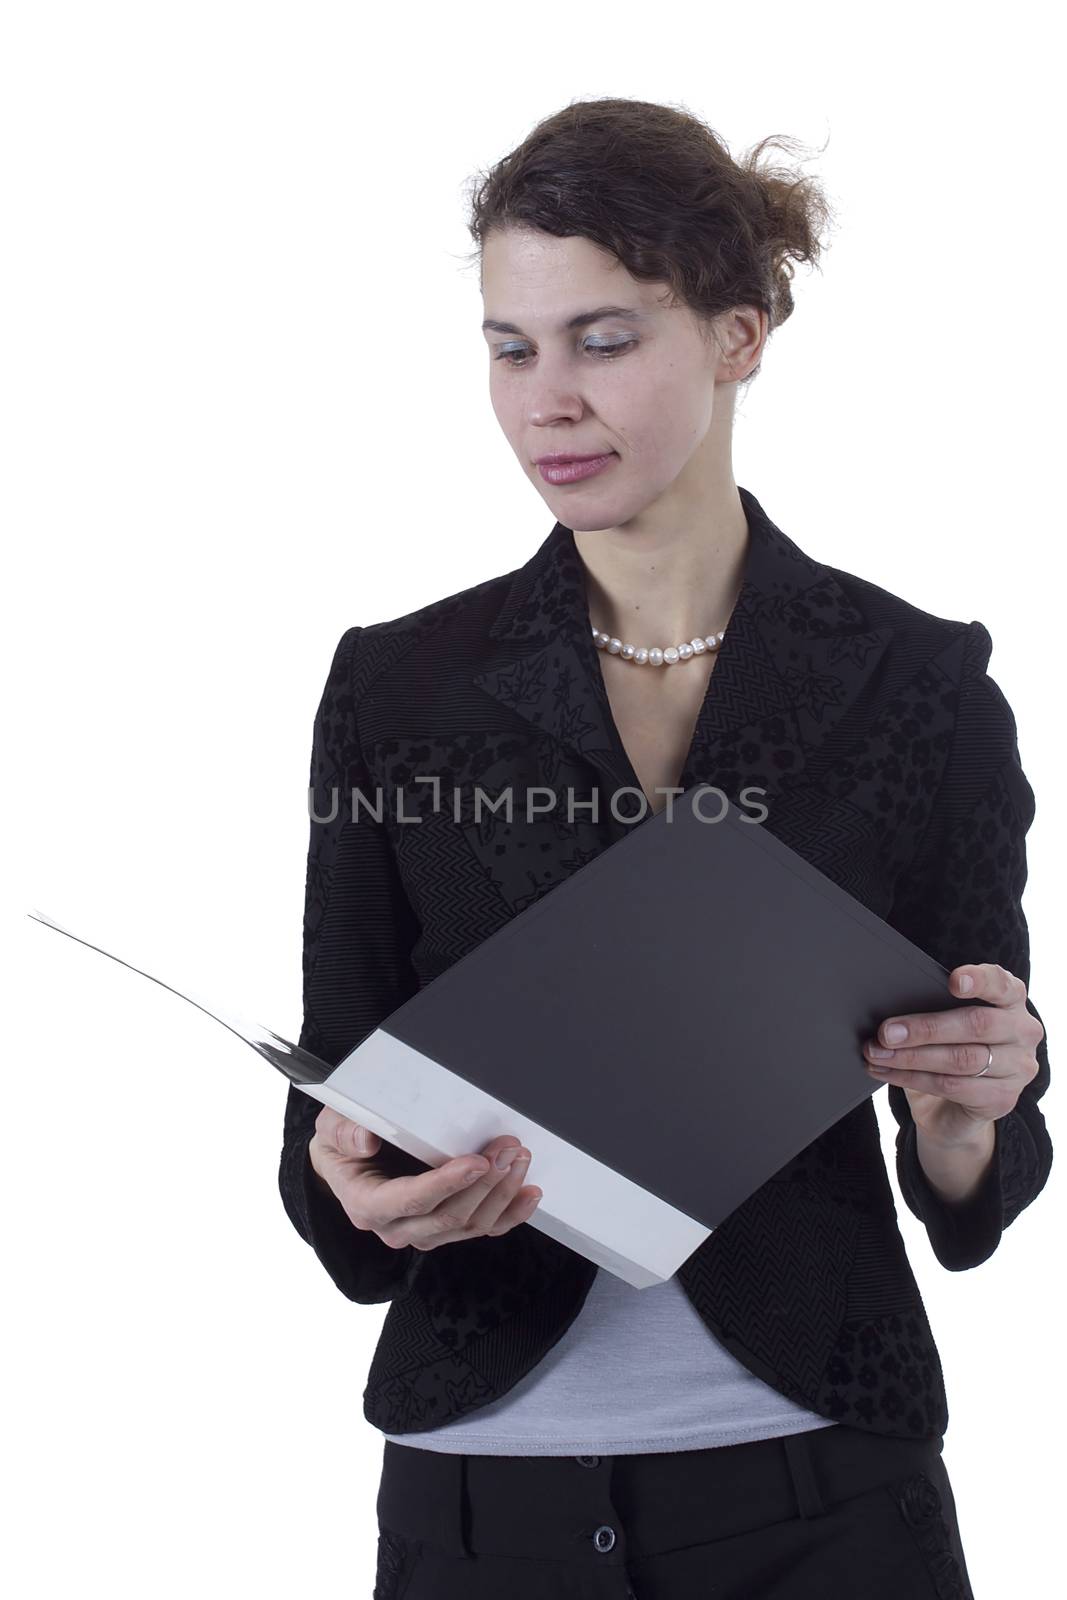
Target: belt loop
x: 802, y: 1471
x: 462, y: 1506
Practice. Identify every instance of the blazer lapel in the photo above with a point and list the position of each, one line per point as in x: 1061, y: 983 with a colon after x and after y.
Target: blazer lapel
x: 797, y: 653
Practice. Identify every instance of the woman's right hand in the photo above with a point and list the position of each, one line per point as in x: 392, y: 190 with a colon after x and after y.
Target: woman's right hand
x: 425, y: 1209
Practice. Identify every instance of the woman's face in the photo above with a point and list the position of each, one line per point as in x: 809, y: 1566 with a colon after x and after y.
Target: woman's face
x: 645, y: 386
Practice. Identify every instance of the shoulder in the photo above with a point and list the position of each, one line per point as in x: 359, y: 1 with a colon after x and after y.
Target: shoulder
x: 950, y: 654
x: 367, y: 652
x: 948, y: 661
x: 953, y: 701
x: 912, y: 625
x: 955, y: 706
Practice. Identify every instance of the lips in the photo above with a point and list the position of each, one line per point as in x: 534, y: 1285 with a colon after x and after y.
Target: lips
x: 564, y: 460
x: 576, y: 471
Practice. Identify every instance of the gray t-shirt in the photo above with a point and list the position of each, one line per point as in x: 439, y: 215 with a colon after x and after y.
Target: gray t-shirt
x: 638, y: 1370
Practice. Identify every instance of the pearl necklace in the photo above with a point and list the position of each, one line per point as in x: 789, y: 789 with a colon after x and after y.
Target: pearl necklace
x: 655, y: 657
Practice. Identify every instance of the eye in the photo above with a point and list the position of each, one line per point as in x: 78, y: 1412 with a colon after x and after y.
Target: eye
x: 602, y: 352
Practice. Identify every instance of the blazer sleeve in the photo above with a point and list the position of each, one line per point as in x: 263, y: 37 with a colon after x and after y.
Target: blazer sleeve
x: 961, y: 902
x: 358, y: 931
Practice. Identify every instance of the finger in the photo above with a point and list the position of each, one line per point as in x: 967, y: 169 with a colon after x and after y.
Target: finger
x: 985, y: 1024
x: 989, y: 982
x: 963, y: 1059
x: 455, y: 1214
x: 519, y: 1209
x: 327, y: 1123
x: 485, y: 1217
x: 412, y: 1207
x: 980, y: 1094
x: 348, y: 1138
x: 353, y: 1139
x: 380, y: 1202
x: 473, y: 1212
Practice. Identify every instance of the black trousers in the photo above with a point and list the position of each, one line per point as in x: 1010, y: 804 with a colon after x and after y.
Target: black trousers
x: 835, y: 1513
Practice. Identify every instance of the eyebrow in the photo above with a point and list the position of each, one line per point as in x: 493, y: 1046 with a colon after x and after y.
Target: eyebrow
x: 582, y: 319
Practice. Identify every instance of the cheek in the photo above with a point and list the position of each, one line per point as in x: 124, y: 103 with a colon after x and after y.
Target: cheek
x: 665, y: 425
x: 508, y: 410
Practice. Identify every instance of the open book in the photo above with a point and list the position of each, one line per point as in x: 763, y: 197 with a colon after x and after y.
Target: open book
x: 637, y: 1046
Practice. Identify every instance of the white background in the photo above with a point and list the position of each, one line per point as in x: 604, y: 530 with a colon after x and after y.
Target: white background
x: 246, y: 406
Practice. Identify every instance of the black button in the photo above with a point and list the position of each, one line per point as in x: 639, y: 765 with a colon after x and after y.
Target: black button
x: 604, y: 1538
x: 588, y: 1461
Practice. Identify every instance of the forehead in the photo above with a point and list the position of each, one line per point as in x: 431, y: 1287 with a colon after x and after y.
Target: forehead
x: 530, y: 277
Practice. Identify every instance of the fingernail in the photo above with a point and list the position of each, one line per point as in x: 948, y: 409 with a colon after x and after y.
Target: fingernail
x: 966, y: 983
x: 896, y: 1032
x: 506, y: 1157
x: 477, y: 1172
x: 879, y: 1052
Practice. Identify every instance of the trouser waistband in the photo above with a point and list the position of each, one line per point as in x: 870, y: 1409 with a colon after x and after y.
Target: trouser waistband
x: 545, y: 1506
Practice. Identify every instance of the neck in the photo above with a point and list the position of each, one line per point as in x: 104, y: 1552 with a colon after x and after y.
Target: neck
x: 651, y: 583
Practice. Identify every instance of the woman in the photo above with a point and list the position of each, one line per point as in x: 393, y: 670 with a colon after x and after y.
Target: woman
x: 769, y: 1422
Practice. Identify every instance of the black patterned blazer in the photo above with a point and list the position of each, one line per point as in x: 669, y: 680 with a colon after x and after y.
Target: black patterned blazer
x: 888, y: 758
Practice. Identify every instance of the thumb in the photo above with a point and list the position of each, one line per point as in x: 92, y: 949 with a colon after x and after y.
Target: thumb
x: 363, y: 1142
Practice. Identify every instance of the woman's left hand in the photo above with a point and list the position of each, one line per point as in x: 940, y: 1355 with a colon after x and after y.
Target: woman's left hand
x: 936, y: 1062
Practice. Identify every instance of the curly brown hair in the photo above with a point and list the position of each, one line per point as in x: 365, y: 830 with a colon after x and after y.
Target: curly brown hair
x: 658, y: 188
